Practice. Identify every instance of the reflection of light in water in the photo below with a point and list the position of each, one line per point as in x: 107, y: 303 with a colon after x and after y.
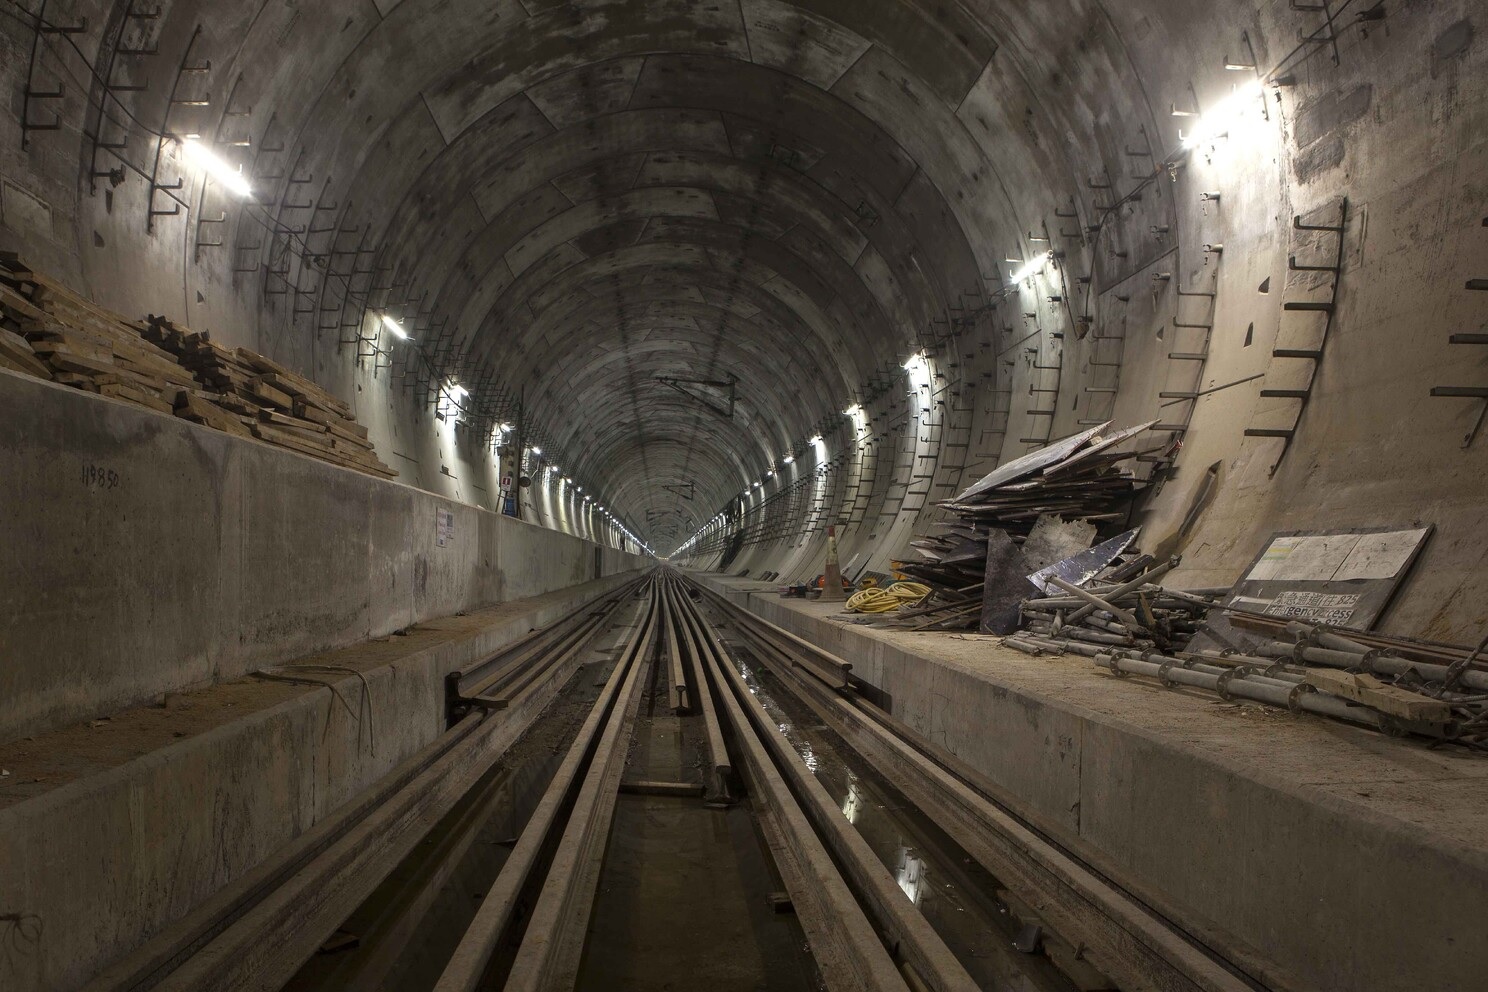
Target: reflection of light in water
x: 804, y: 748
x: 908, y: 874
x: 854, y: 801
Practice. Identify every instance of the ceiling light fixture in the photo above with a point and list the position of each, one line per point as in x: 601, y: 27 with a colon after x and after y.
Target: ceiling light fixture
x: 1216, y: 121
x: 395, y: 327
x: 215, y: 167
x: 1033, y: 266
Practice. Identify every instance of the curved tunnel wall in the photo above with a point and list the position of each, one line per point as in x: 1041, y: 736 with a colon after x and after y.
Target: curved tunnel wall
x: 565, y: 202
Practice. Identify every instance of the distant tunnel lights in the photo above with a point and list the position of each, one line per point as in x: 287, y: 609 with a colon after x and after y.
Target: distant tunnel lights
x: 215, y: 167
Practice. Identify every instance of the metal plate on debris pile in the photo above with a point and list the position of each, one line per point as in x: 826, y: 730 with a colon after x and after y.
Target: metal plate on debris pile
x: 1004, y: 586
x: 1079, y: 569
x: 1054, y: 539
x: 1342, y: 578
x: 1031, y: 462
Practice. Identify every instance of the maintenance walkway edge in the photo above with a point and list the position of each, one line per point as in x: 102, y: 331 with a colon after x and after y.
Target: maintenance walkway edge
x: 1315, y: 855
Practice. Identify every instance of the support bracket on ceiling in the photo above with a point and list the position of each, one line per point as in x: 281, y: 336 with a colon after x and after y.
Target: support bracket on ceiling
x: 712, y: 403
x: 686, y: 490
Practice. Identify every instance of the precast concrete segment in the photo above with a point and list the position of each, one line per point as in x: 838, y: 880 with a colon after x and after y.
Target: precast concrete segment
x: 866, y: 166
x: 1122, y: 938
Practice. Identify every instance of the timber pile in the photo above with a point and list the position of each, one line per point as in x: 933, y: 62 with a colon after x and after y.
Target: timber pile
x: 50, y: 332
x: 278, y: 405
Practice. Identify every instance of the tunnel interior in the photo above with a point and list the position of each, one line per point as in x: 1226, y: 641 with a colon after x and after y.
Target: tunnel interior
x: 669, y: 246
x: 707, y: 280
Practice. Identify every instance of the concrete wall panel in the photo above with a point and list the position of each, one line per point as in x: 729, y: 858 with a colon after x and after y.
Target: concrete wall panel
x: 144, y: 554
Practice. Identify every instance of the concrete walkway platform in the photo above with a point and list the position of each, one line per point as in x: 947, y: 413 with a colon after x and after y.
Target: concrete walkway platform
x: 116, y: 827
x: 1314, y: 854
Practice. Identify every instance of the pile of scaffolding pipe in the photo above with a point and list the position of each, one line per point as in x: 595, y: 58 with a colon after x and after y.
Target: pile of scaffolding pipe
x: 1240, y: 683
x: 1335, y: 651
x: 1136, y: 614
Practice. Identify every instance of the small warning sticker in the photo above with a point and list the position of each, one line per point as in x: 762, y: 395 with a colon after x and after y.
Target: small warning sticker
x: 444, y: 527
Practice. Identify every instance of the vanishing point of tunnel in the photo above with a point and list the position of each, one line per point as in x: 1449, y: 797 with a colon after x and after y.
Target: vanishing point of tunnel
x: 743, y: 495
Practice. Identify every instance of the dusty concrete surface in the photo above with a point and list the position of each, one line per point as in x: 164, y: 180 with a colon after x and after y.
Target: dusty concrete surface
x: 114, y: 830
x: 1281, y: 839
x: 211, y: 556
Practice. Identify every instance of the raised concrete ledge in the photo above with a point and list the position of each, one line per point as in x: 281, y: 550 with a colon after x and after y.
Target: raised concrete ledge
x: 131, y: 827
x: 1318, y: 855
x: 201, y: 556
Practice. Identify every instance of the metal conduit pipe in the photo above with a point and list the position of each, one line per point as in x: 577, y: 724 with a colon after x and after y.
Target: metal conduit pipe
x: 1125, y: 588
x: 1239, y: 685
x: 1370, y: 661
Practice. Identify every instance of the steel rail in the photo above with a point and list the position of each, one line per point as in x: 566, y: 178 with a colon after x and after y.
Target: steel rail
x: 698, y: 644
x: 849, y: 954
x: 466, y: 968
x: 1131, y: 943
x: 905, y: 929
x: 553, y: 941
x: 498, y: 671
x: 385, y: 941
x: 678, y: 691
x: 257, y: 930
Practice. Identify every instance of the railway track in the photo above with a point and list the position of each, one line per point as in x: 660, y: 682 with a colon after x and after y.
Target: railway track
x: 407, y: 838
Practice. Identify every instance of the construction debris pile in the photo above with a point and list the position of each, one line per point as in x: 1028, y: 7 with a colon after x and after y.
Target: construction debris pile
x: 1077, y: 481
x: 49, y: 332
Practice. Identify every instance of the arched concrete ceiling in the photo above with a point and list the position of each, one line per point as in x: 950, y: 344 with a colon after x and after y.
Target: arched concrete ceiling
x: 597, y: 194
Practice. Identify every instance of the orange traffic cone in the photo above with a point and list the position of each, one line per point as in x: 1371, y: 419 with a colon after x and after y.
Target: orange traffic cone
x: 832, y: 574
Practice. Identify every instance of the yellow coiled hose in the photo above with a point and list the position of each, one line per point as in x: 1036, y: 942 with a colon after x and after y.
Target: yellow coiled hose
x: 884, y: 600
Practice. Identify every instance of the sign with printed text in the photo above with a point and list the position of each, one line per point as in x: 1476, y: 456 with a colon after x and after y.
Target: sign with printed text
x: 1342, y: 578
x: 444, y: 527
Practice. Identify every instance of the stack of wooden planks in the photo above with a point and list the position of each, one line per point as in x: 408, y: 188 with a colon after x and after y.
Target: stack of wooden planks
x: 278, y: 405
x: 50, y: 332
